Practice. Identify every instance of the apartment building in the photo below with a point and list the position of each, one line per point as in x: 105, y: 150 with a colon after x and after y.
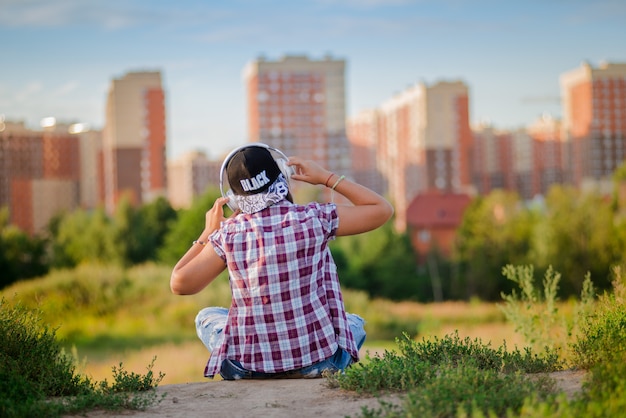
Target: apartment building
x: 134, y: 140
x: 367, y: 154
x: 44, y: 172
x: 298, y: 105
x: 425, y: 143
x: 594, y: 120
x: 550, y: 155
x: 189, y: 176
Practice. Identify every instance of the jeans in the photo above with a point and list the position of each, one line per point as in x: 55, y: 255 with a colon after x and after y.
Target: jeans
x: 211, y: 321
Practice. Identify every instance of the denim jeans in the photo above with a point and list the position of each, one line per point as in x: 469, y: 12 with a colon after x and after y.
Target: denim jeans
x: 211, y: 321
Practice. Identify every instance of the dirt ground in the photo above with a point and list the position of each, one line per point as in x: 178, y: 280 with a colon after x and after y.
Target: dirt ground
x: 276, y: 398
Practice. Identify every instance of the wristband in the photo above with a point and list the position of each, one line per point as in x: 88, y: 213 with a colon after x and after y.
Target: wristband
x: 326, y: 182
x: 337, y: 182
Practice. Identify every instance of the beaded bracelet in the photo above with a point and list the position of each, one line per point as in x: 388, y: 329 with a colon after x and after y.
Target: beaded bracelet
x: 337, y: 182
x: 199, y: 242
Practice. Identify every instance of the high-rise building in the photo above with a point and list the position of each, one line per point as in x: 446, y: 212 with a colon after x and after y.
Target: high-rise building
x: 299, y: 106
x: 550, y: 155
x: 594, y: 120
x: 134, y: 140
x: 426, y: 142
x: 366, y: 149
x: 492, y: 157
x: 189, y: 176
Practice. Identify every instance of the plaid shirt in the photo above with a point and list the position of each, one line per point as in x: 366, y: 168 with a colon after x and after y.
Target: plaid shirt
x: 287, y: 310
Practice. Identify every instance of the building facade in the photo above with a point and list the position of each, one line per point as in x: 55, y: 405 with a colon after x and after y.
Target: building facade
x: 190, y: 175
x: 134, y: 140
x: 298, y: 105
x: 594, y: 120
x: 367, y: 154
x: 425, y: 143
x: 45, y: 172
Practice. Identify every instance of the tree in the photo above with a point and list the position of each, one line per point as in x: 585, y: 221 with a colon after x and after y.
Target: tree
x: 496, y: 230
x: 189, y: 225
x: 577, y: 235
x: 21, y: 256
x: 381, y: 262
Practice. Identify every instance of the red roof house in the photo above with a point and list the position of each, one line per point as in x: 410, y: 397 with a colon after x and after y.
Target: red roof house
x: 433, y: 219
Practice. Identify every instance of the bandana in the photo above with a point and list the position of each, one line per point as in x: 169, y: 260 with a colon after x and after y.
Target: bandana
x: 256, y: 202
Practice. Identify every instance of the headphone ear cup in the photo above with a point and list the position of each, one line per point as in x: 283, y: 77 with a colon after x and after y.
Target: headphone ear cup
x: 287, y: 170
x: 232, y: 204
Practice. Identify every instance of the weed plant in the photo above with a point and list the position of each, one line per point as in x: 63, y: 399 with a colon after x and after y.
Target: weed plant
x: 442, y: 376
x: 535, y: 311
x: 450, y: 377
x: 38, y: 379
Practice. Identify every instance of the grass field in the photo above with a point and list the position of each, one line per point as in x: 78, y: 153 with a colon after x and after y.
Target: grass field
x: 106, y: 316
x: 184, y: 361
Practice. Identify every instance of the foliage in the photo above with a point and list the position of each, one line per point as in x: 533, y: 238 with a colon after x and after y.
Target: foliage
x: 495, y: 231
x: 187, y: 228
x: 21, y: 256
x: 38, y: 379
x: 98, y: 307
x: 600, y: 347
x: 603, y: 336
x: 380, y: 262
x: 444, y: 376
x: 576, y: 236
x: 535, y: 312
x: 133, y: 235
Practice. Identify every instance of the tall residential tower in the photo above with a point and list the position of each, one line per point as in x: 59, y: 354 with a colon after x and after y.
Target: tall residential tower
x: 594, y: 120
x: 299, y: 106
x: 134, y: 140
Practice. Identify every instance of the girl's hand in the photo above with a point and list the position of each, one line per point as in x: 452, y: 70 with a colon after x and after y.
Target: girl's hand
x: 215, y: 216
x: 308, y: 171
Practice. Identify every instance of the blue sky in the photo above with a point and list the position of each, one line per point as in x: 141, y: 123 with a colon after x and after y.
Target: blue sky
x: 59, y: 56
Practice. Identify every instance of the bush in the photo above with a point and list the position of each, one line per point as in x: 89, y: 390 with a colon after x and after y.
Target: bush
x: 444, y: 376
x: 36, y: 377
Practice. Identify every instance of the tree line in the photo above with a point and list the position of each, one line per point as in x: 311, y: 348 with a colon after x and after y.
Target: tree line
x: 577, y: 233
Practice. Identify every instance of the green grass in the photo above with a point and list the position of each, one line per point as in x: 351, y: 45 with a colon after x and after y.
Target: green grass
x: 103, y: 313
x: 454, y: 377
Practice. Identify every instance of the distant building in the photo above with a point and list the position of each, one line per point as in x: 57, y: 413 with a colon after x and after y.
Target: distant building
x: 433, y: 219
x: 43, y: 173
x: 189, y: 176
x: 425, y: 143
x: 594, y: 120
x: 298, y: 105
x: 527, y: 161
x: 550, y: 155
x: 493, y: 156
x: 367, y: 151
x: 134, y: 140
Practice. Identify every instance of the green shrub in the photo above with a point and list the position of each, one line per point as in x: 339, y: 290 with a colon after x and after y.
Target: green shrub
x: 38, y: 379
x: 534, y: 310
x: 444, y: 376
x: 603, y: 335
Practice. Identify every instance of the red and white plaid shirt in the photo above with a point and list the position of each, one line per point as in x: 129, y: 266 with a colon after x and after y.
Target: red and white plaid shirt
x: 287, y: 310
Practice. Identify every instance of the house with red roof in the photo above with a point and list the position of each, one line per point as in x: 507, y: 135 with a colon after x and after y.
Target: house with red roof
x: 433, y: 219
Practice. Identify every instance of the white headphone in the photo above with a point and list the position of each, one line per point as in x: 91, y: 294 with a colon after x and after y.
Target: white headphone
x: 280, y: 158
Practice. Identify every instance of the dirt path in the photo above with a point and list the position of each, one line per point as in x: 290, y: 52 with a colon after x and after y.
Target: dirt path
x: 276, y: 398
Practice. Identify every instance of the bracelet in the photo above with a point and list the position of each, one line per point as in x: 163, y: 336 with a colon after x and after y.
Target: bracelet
x: 325, y: 183
x: 337, y: 182
x: 199, y: 242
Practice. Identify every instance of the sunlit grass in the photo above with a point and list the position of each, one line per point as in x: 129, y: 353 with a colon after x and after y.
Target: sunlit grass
x: 110, y: 315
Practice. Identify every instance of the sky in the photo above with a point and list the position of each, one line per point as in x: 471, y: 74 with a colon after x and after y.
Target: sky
x: 58, y: 57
